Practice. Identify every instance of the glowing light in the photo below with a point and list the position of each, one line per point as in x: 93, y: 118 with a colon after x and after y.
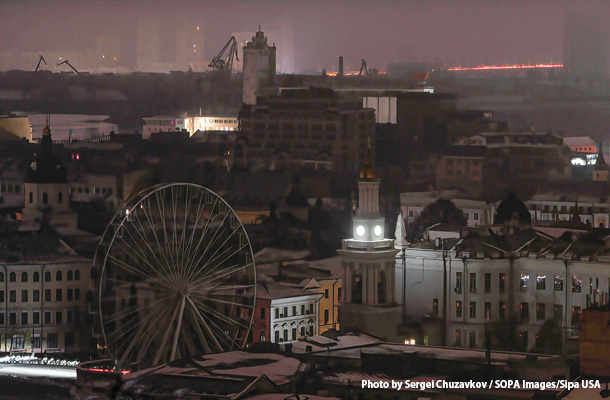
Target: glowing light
x: 197, y: 28
x: 377, y: 230
x: 360, y: 230
x: 107, y: 370
x: 500, y: 67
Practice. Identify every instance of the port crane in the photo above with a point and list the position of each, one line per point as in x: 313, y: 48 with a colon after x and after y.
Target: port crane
x: 363, y: 68
x: 40, y: 60
x: 70, y: 65
x: 223, y: 61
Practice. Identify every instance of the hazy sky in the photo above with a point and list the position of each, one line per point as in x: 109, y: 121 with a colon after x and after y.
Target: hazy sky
x: 467, y: 32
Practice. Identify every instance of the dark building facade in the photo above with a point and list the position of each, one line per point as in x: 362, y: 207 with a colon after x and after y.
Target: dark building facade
x: 308, y: 126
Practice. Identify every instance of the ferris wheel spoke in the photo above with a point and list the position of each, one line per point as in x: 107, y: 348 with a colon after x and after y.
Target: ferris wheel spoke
x: 218, y: 314
x: 189, y: 244
x: 162, y: 349
x: 191, y: 253
x: 232, y: 287
x: 136, y: 271
x: 197, y: 328
x: 153, y: 228
x: 142, y: 267
x: 148, y: 246
x: 187, y: 210
x: 206, y: 327
x: 218, y: 264
x: 135, y: 255
x: 174, y: 209
x: 231, y: 270
x: 212, y: 241
x: 117, y: 336
x: 129, y: 311
x: 137, y: 339
x: 215, y: 300
x: 164, y: 224
x: 219, y: 329
x: 194, y: 269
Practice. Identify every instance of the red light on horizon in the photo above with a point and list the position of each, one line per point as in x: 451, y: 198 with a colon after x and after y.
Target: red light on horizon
x: 500, y: 67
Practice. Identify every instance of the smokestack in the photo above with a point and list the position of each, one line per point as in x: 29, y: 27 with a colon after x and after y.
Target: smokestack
x: 340, y: 66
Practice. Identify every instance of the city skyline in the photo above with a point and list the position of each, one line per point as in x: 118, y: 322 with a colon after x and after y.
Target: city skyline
x: 447, y: 32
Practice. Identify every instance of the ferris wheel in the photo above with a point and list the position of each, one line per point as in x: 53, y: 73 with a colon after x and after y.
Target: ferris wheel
x: 177, y: 277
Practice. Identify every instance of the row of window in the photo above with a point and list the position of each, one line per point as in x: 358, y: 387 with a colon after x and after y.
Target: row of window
x: 284, y: 311
x: 285, y: 337
x: 45, y: 198
x: 523, y: 282
x: 10, y: 188
x: 85, y: 189
x: 25, y: 318
x: 71, y: 275
x: 71, y: 295
x: 18, y: 341
x: 541, y: 314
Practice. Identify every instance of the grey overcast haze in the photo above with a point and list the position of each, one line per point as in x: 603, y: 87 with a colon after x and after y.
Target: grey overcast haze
x: 469, y: 32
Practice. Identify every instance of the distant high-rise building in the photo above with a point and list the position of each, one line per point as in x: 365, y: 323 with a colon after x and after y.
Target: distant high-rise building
x: 259, y: 66
x: 586, y: 46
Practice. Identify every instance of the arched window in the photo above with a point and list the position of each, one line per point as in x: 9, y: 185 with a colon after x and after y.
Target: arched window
x: 24, y: 277
x: 285, y: 329
x: 276, y: 333
x: 357, y: 288
x: 12, y: 277
x: 47, y: 276
x: 382, y: 288
x: 293, y: 328
x: 36, y: 277
x: 1, y: 276
x: 58, y: 276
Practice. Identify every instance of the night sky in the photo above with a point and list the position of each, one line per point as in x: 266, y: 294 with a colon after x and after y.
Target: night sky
x: 464, y: 32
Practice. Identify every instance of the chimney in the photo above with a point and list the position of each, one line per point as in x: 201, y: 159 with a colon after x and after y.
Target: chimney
x: 340, y: 66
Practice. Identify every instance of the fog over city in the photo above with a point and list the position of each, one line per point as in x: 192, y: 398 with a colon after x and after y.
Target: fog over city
x: 314, y: 32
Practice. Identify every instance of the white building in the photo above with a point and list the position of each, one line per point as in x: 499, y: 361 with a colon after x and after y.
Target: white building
x: 294, y: 312
x: 161, y: 123
x: 210, y: 123
x: 487, y: 288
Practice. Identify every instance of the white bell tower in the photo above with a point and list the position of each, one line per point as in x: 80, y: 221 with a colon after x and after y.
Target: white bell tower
x: 368, y: 259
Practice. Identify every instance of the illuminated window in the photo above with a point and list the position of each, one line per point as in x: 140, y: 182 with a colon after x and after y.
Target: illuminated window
x: 458, y: 309
x: 502, y: 310
x: 502, y: 282
x: 540, y: 282
x: 558, y: 285
x: 524, y: 280
x: 524, y: 313
x: 576, y: 284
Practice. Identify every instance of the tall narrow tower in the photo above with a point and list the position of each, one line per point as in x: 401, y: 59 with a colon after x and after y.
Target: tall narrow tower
x: 368, y: 259
x: 259, y: 66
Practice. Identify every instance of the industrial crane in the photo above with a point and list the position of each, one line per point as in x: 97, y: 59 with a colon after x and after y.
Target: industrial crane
x: 40, y: 59
x: 224, y: 60
x: 363, y: 68
x: 70, y: 65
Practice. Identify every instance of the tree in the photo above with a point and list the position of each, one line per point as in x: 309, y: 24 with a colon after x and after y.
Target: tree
x: 441, y: 211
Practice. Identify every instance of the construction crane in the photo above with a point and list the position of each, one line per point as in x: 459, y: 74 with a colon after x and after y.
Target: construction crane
x: 40, y: 59
x: 70, y: 65
x: 363, y: 68
x: 224, y: 60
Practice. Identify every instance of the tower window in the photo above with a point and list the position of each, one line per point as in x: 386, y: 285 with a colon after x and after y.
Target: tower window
x: 60, y: 197
x: 381, y: 288
x: 45, y: 198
